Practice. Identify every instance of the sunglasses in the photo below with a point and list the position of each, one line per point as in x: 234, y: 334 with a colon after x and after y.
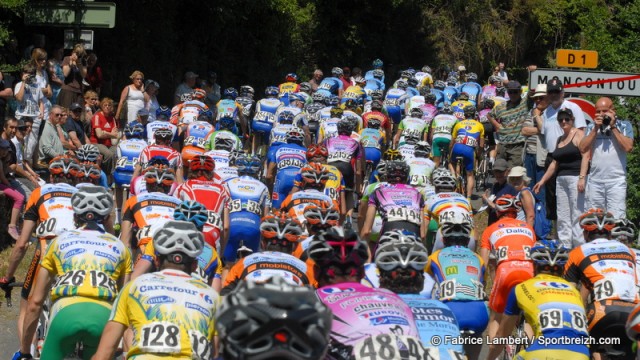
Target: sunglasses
x: 57, y: 114
x: 565, y: 119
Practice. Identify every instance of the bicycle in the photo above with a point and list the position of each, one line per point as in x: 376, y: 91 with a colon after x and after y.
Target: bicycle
x: 482, y: 170
x: 444, y: 156
x: 510, y: 350
x: 461, y: 175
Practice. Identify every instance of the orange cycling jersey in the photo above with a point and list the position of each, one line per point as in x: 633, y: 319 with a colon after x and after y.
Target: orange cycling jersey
x: 295, y: 203
x: 50, y: 207
x: 148, y: 209
x: 384, y: 119
x: 606, y: 268
x: 187, y: 112
x: 510, y: 238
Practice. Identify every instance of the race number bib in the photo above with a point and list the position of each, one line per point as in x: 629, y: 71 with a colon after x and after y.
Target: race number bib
x: 201, y: 346
x: 285, y: 163
x: 604, y: 289
x: 214, y: 219
x: 95, y: 277
x: 400, y: 213
x: 417, y: 180
x: 250, y: 206
x: 389, y: 346
x: 339, y: 156
x: 124, y: 162
x: 391, y: 102
x: 193, y: 141
x: 160, y: 337
x: 47, y: 228
x: 264, y: 116
x: 370, y: 144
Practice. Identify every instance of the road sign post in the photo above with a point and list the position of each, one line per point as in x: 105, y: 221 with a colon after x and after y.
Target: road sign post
x: 587, y: 59
x: 589, y: 82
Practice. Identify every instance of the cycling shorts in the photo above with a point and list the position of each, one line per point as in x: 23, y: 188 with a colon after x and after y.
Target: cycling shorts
x: 372, y: 154
x: 400, y: 225
x: 262, y: 127
x: 489, y: 133
x: 551, y: 351
x: 438, y: 143
x: 122, y: 178
x: 66, y: 327
x: 607, y: 319
x: 508, y: 275
x: 283, y: 185
x: 32, y: 272
x: 243, y: 226
x: 395, y: 113
x: 468, y: 155
x: 471, y: 315
x: 348, y: 174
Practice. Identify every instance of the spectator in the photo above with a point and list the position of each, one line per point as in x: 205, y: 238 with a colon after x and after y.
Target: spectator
x: 502, y: 72
x: 609, y: 145
x: 74, y: 126
x: 520, y: 181
x: 356, y: 72
x: 7, y: 189
x: 151, y: 89
x: 346, y: 77
x: 50, y: 145
x: 56, y: 75
x: 74, y: 68
x: 535, y: 154
x: 6, y: 93
x: 500, y: 187
x: 94, y: 73
x: 547, y: 123
x: 216, y: 92
x: 570, y: 167
x: 30, y: 104
x: 91, y: 102
x: 133, y: 97
x: 104, y: 129
x: 186, y: 87
x: 25, y: 175
x: 39, y: 60
x: 508, y: 119
x: 316, y: 79
x: 67, y: 144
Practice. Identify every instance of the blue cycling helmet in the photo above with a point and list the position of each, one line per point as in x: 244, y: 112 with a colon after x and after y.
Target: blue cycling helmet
x: 226, y: 123
x: 193, y: 212
x: 230, y: 93
x: 295, y: 97
x: 134, y: 130
x: 158, y: 161
x: 549, y: 256
x: 248, y: 165
x: 377, y: 64
x: 207, y: 115
x: 286, y: 117
x: 292, y: 77
x: 163, y: 111
x: 452, y: 81
x: 332, y: 100
x: 271, y: 91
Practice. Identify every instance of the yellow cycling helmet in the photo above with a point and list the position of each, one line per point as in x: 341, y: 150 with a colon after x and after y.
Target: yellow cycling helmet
x: 392, y: 154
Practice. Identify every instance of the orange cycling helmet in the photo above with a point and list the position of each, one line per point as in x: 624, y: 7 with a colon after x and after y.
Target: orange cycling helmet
x: 90, y: 173
x: 65, y: 166
x: 202, y: 162
x: 316, y: 151
x: 165, y: 176
x: 597, y: 220
x: 280, y: 229
x: 507, y: 205
x: 321, y: 216
x: 314, y: 176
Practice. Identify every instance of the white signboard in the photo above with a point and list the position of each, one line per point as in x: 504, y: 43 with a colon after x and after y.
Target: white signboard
x: 589, y: 82
x: 86, y: 37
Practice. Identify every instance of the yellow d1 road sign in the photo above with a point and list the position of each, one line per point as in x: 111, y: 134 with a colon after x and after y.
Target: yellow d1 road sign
x: 586, y: 59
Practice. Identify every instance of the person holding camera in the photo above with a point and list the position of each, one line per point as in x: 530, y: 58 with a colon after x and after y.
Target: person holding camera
x: 609, y: 139
x: 74, y: 68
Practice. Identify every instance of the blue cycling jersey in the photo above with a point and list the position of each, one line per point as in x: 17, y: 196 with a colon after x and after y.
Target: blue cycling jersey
x: 289, y: 159
x: 451, y: 94
x: 330, y: 86
x: 369, y: 76
x: 459, y: 273
x: 439, y: 97
x: 373, y: 84
x: 473, y: 89
x: 411, y: 92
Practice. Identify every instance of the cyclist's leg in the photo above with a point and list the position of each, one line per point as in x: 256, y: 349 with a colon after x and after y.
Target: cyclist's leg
x: 508, y: 275
x: 29, y: 283
x: 469, y: 164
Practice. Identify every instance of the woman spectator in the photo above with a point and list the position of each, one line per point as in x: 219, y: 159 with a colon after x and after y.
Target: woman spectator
x: 94, y: 73
x: 570, y: 167
x: 133, y: 96
x: 91, y: 105
x: 56, y: 75
x: 74, y: 68
x: 39, y: 60
x: 5, y: 186
x: 104, y: 130
x: 150, y: 98
x: 519, y: 180
x: 30, y: 105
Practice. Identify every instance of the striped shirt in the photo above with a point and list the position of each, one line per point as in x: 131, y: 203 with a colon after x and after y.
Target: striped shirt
x: 512, y: 119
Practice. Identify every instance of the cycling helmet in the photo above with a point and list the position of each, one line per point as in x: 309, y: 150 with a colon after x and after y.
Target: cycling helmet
x: 271, y: 91
x: 92, y: 203
x: 401, y: 254
x: 392, y: 154
x: 332, y: 100
x: 199, y: 94
x: 163, y: 134
x: 321, y: 216
x: 430, y: 98
x: 317, y: 150
x: 186, y: 97
x: 178, y: 237
x: 131, y: 131
x: 402, y: 84
x: 202, y: 162
x: 495, y: 79
x: 286, y: 117
x: 443, y: 179
x: 411, y: 139
x: 159, y: 162
x: 226, y: 122
x: 163, y: 112
x: 336, y: 112
x: 424, y: 91
x: 295, y: 97
x: 339, y: 247
x: 446, y: 109
x: 472, y: 77
x: 345, y: 127
x: 377, y: 64
x: 625, y: 231
x: 359, y: 80
x: 281, y: 233
x: 452, y: 81
x: 377, y: 95
x: 397, y: 235
x: 223, y: 143
x: 501, y: 90
x: 248, y: 165
x: 64, y: 167
x: 422, y: 149
x: 507, y: 205
x: 318, y: 97
x: 230, y: 93
x: 549, y: 256
x: 412, y: 82
x: 597, y: 221
x: 292, y: 77
x: 305, y: 87
x: 426, y: 69
x: 381, y: 169
x: 273, y: 320
x: 406, y: 74
x: 470, y: 112
x: 350, y: 104
x: 439, y: 84
x: 463, y: 96
x: 314, y: 176
x: 165, y: 177
x: 336, y: 71
x: 376, y: 105
x: 378, y: 74
x: 416, y: 113
x: 488, y: 103
x: 397, y: 172
x: 90, y: 173
x: 247, y: 90
x: 193, y: 212
x: 88, y: 153
x: 294, y: 136
x: 205, y: 115
x: 374, y: 123
x: 456, y: 228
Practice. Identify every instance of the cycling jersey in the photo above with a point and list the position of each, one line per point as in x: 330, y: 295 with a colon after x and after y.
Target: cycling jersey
x: 187, y: 112
x: 228, y: 108
x: 420, y: 170
x: 488, y: 92
x: 209, y: 263
x: 360, y: 313
x: 442, y: 126
x: 171, y: 314
x: 153, y: 126
x: 50, y: 207
x: 399, y: 205
x: 372, y: 279
x: 334, y: 185
x: 264, y: 265
x: 148, y: 209
x: 224, y: 136
x: 467, y: 135
x: 288, y: 87
x: 407, y: 151
x: 442, y: 205
x: 344, y: 152
x: 225, y: 174
x: 151, y: 151
x: 394, y: 103
x: 330, y: 86
x: 265, y: 115
x: 511, y: 239
x: 473, y: 89
x: 328, y: 128
x: 384, y: 119
x: 220, y: 158
x: 278, y: 134
x: 195, y: 139
x: 373, y: 85
x: 249, y: 198
x: 372, y: 140
x: 289, y: 159
x: 128, y: 155
x: 299, y: 119
x: 354, y: 92
x: 429, y: 112
x: 412, y: 127
x: 606, y: 268
x: 295, y: 203
x: 458, y: 108
x: 247, y: 105
x: 451, y: 94
x: 439, y: 97
x: 413, y: 102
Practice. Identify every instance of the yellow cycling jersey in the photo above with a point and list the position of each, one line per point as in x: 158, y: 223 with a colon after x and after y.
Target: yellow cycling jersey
x: 427, y: 80
x: 550, y: 304
x: 461, y: 104
x: 209, y: 263
x: 353, y: 92
x: 468, y: 132
x: 88, y: 263
x: 171, y: 314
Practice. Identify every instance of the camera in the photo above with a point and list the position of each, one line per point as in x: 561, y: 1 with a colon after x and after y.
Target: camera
x: 606, y: 120
x: 31, y: 79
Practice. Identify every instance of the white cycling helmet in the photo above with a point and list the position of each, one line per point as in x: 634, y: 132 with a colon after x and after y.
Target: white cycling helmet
x: 401, y: 254
x: 624, y: 231
x: 88, y: 152
x: 92, y: 203
x: 179, y: 237
x: 443, y: 179
x: 456, y: 228
x: 397, y: 235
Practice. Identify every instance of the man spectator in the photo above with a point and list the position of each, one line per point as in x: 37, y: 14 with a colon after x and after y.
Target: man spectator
x: 186, y: 87
x: 50, y: 145
x: 346, y: 77
x: 216, y: 92
x: 8, y: 133
x: 610, y: 139
x: 25, y: 176
x: 75, y: 127
x: 508, y: 119
x: 30, y: 104
x: 547, y: 122
x: 535, y: 154
x: 502, y: 72
x: 316, y: 79
x: 500, y: 187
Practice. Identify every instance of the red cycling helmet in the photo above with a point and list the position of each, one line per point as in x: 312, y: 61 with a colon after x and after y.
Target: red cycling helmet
x: 507, y: 205
x: 317, y: 150
x: 202, y: 162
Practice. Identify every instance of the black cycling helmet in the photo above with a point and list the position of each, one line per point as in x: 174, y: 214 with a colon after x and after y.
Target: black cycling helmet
x: 397, y: 172
x: 430, y: 98
x: 446, y: 109
x: 341, y: 248
x: 374, y: 123
x: 488, y: 103
x: 463, y: 96
x: 470, y: 112
x: 345, y: 127
x: 376, y: 105
x: 422, y: 149
x: 416, y: 113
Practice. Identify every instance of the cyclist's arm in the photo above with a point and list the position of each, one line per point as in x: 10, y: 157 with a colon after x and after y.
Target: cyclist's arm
x: 226, y: 220
x: 125, y: 233
x: 180, y: 175
x: 34, y: 309
x: 111, y: 336
x: 271, y: 169
x: 396, y: 138
x: 484, y: 254
x: 362, y: 210
x: 343, y: 203
x: 20, y: 248
x: 142, y: 267
x: 368, y: 222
